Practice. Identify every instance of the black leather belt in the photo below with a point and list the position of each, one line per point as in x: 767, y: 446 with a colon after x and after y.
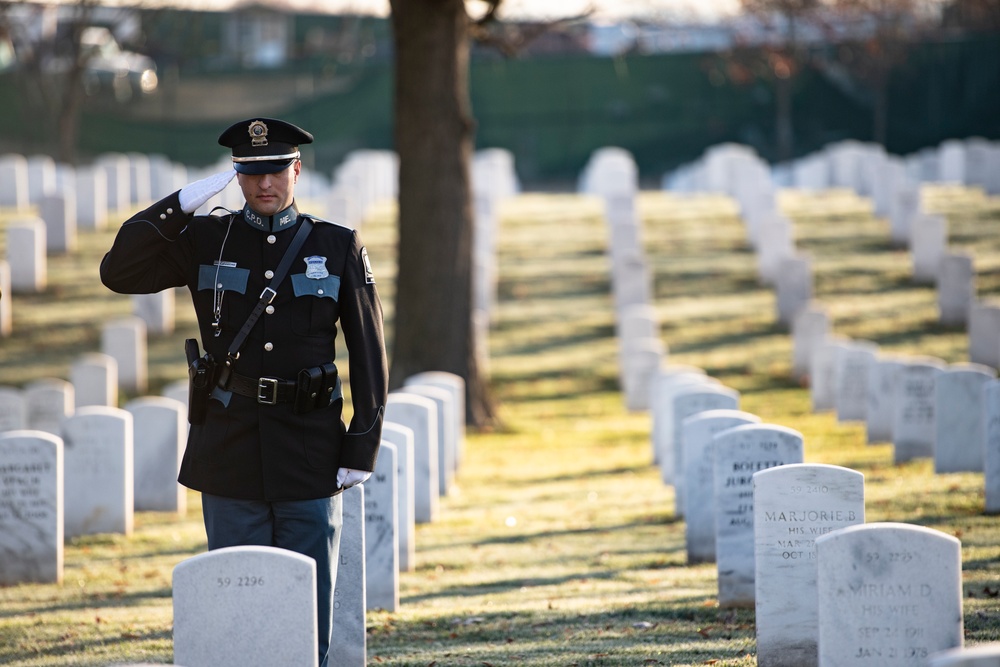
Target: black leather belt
x: 267, y: 391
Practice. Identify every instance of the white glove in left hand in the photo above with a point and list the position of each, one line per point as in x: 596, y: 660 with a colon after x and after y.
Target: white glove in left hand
x: 193, y: 195
x: 348, y: 477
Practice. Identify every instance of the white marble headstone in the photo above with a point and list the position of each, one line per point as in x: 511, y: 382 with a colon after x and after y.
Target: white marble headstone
x: 794, y: 287
x: 381, y: 534
x: 913, y: 410
x: 31, y: 507
x: 13, y: 409
x: 419, y: 414
x: 402, y: 438
x: 666, y: 383
x: 48, y: 401
x: 903, y: 209
x: 690, y: 400
x: 928, y: 244
x: 59, y: 213
x: 956, y: 288
x: 6, y: 307
x: 793, y: 505
x: 349, y: 643
x: 445, y: 436
x: 97, y: 451
x: 958, y: 418
x: 117, y: 179
x: 91, y: 198
x: 454, y: 384
x: 883, y: 375
x: 984, y: 333
x: 991, y: 445
x: 641, y: 359
x: 125, y: 340
x: 26, y: 255
x: 699, y: 479
x: 775, y: 243
x: 739, y: 452
x: 13, y: 181
x: 823, y: 372
x: 889, y: 593
x: 245, y: 605
x: 851, y: 376
x: 159, y: 434
x: 177, y: 390
x: 809, y: 329
x: 156, y: 310
x: 94, y: 377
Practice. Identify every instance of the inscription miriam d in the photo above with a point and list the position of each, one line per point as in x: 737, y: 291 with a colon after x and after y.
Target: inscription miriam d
x: 889, y: 590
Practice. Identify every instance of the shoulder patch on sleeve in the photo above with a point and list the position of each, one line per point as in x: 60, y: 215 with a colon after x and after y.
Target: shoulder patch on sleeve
x: 369, y: 274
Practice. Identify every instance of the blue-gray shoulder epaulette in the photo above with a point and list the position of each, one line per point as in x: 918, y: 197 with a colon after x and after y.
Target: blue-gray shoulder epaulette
x: 326, y: 222
x: 226, y: 215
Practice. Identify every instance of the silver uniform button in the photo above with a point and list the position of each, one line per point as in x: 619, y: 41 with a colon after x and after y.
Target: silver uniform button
x: 269, y: 310
x: 219, y: 285
x: 170, y: 210
x: 163, y: 216
x: 271, y: 239
x: 269, y: 274
x: 319, y: 291
x: 268, y: 346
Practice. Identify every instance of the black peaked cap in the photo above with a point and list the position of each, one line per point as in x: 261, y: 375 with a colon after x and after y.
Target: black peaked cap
x: 263, y: 145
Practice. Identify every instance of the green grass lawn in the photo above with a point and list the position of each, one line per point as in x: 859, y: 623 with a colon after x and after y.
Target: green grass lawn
x: 559, y: 544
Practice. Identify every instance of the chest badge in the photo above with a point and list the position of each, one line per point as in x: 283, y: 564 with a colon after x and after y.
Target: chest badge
x: 316, y: 267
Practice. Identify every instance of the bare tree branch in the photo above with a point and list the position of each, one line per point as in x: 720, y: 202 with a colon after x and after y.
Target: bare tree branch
x: 511, y: 39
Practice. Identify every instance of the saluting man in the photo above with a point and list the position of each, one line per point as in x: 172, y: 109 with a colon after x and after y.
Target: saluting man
x: 267, y: 447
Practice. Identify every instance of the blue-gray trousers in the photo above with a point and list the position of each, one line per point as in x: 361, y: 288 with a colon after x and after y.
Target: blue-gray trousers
x: 309, y: 527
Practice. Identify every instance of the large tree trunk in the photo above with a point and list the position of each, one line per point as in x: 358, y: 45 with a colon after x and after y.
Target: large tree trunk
x: 434, y: 140
x: 880, y: 112
x: 783, y: 118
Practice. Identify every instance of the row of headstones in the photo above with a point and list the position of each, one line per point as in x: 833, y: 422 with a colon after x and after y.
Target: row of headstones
x: 789, y: 539
x: 106, y: 462
x: 865, y: 168
x: 263, y: 595
x: 790, y: 272
x: 67, y: 198
x: 789, y: 623
x: 926, y: 237
x: 611, y: 175
x: 739, y: 172
x: 973, y: 162
x: 642, y: 352
x: 150, y: 433
x: 115, y: 182
x: 925, y: 407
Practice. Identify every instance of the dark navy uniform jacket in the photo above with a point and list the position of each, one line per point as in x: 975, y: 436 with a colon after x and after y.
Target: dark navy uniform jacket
x: 245, y: 449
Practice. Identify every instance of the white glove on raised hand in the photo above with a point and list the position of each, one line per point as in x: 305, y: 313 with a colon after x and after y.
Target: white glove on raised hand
x: 195, y: 194
x: 348, y: 477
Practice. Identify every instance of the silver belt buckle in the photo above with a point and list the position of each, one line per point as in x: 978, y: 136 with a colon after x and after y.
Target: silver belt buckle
x: 267, y: 391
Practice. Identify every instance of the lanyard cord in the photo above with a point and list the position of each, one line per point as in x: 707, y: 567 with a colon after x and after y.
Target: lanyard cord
x: 218, y: 294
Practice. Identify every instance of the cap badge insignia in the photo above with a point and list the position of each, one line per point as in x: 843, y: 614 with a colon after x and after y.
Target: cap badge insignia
x: 258, y: 133
x: 316, y: 267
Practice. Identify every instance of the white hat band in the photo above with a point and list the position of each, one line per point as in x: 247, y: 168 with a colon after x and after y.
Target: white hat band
x: 268, y: 158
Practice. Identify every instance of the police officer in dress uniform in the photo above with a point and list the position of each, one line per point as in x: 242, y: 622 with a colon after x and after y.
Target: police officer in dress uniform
x: 271, y: 454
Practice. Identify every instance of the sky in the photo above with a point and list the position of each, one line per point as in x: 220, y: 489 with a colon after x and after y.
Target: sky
x: 516, y: 9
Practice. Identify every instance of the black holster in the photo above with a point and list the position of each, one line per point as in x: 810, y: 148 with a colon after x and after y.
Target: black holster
x: 317, y: 387
x: 201, y: 380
